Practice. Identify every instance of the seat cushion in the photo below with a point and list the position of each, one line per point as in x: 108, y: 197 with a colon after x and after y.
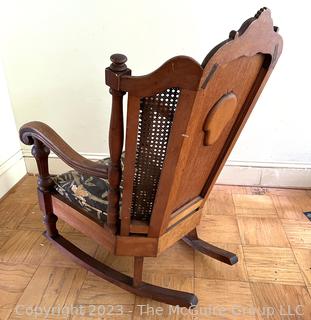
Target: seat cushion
x: 87, y: 192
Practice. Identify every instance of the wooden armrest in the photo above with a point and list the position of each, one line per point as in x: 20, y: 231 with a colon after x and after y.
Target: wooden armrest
x: 42, y: 132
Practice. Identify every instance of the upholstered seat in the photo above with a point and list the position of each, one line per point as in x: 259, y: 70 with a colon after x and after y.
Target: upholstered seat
x: 87, y: 192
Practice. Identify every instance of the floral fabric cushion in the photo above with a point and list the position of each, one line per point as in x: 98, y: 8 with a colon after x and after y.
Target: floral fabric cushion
x: 88, y: 192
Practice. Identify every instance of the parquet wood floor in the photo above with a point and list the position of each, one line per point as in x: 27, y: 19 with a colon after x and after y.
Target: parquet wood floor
x: 264, y: 226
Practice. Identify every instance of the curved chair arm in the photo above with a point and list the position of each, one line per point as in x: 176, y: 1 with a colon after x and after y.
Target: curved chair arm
x: 42, y: 132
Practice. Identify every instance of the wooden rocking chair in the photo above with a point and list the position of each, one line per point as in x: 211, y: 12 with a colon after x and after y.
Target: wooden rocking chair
x: 182, y: 122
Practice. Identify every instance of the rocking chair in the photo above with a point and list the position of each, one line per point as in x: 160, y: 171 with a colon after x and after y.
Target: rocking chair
x: 183, y: 120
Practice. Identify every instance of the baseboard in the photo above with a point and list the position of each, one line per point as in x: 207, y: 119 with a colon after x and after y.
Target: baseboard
x: 56, y: 165
x: 265, y: 174
x: 273, y: 176
x: 11, y: 171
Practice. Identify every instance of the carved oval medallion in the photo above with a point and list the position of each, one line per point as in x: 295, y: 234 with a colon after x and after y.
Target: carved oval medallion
x: 218, y: 117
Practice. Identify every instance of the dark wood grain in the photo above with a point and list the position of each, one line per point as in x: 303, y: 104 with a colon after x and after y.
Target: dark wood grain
x: 117, y: 67
x: 170, y: 74
x: 45, y: 184
x: 138, y: 271
x: 210, y: 250
x: 42, y: 132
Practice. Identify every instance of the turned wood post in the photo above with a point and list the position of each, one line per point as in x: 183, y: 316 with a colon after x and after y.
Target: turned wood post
x: 116, y: 133
x: 45, y: 183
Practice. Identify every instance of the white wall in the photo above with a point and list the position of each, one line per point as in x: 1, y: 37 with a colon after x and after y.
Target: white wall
x: 55, y: 53
x: 12, y: 166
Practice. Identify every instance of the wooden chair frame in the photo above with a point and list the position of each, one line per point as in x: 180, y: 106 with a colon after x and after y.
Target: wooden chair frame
x: 127, y: 237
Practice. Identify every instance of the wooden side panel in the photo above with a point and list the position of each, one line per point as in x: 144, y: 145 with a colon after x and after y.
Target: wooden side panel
x: 101, y: 234
x: 175, y: 233
x: 239, y: 66
x: 184, y: 211
x: 238, y: 77
x: 136, y: 246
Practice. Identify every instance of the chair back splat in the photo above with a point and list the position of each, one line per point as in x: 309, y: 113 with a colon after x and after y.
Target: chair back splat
x: 182, y: 122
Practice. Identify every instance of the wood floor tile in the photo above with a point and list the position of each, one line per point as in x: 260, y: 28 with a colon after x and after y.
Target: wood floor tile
x: 238, y: 190
x: 120, y: 263
x: 303, y: 201
x: 24, y: 193
x: 5, y: 235
x: 24, y: 246
x: 209, y: 268
x: 285, y: 192
x: 230, y: 189
x: 96, y: 291
x: 38, y: 314
x: 117, y: 312
x: 178, y: 259
x: 224, y: 299
x: 279, y: 302
x: 261, y: 202
x: 222, y: 188
x: 177, y: 282
x: 303, y: 257
x: 55, y: 257
x: 34, y: 220
x: 221, y: 229
x: 33, y: 273
x: 251, y: 212
x: 14, y: 279
x: 270, y: 264
x: 29, y: 180
x: 5, y: 313
x: 263, y: 231
x: 220, y: 202
x: 298, y: 233
x: 13, y: 212
x: 256, y: 190
x: 287, y: 209
x: 53, y: 287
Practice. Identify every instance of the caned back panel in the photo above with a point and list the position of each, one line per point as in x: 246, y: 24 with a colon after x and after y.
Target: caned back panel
x: 156, y: 115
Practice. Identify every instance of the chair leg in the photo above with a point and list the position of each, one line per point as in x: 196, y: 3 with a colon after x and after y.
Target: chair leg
x: 134, y: 285
x: 138, y: 271
x: 49, y: 218
x: 219, y: 254
x: 45, y: 183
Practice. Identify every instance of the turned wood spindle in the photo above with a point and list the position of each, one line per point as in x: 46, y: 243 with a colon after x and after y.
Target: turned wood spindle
x: 45, y: 183
x: 116, y: 69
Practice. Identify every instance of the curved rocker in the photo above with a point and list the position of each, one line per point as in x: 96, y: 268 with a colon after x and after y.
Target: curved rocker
x: 208, y: 249
x: 143, y: 289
